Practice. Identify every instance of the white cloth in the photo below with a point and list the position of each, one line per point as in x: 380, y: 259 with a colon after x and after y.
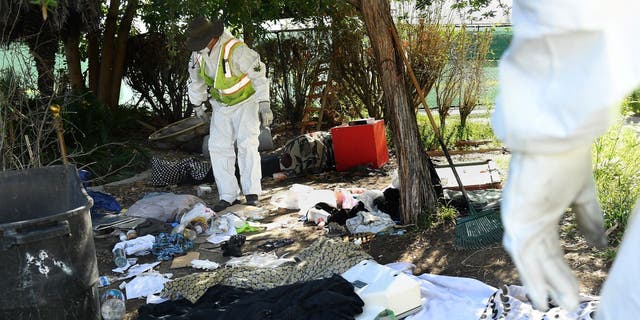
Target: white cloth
x: 239, y: 123
x: 145, y: 285
x: 456, y: 298
x: 569, y: 64
x: 140, y: 245
x: 369, y: 222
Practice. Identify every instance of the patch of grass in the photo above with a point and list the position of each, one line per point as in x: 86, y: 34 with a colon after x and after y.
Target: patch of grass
x: 473, y: 130
x: 617, y: 175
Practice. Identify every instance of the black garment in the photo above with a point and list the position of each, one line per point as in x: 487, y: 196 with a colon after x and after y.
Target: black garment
x: 340, y: 216
x: 331, y: 298
x: 390, y: 203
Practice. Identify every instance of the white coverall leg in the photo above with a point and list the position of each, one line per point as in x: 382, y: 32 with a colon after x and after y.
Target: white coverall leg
x: 569, y: 65
x: 239, y: 123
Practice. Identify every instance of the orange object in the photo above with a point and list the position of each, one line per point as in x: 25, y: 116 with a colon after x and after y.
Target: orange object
x: 364, y: 144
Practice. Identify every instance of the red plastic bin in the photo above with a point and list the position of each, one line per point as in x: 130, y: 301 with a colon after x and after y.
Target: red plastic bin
x: 356, y: 145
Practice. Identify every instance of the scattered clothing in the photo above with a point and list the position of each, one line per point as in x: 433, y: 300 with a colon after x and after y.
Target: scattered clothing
x: 139, y: 246
x: 308, y: 153
x: 145, y: 285
x: 457, y: 298
x: 165, y: 207
x: 330, y: 298
x: 233, y: 247
x: 389, y: 203
x: 321, y: 259
x: 369, y: 222
x: 186, y: 171
x: 275, y: 244
x: 511, y: 303
x: 340, y: 216
x: 103, y: 202
x: 167, y: 246
x: 302, y: 197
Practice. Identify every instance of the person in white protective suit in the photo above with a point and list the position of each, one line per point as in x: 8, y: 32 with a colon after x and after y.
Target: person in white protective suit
x: 230, y: 75
x: 569, y: 65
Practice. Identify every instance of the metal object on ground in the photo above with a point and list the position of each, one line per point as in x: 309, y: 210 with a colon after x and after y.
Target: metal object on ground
x: 179, y: 132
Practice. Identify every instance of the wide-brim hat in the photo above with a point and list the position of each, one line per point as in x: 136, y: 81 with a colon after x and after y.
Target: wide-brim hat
x: 201, y: 31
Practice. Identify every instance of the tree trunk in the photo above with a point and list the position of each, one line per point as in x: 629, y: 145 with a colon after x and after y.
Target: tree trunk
x: 106, y: 58
x: 418, y: 196
x: 93, y: 51
x: 121, y: 52
x: 72, y: 54
x: 43, y: 49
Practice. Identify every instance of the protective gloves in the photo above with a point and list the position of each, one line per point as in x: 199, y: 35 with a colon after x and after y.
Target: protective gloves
x: 201, y: 111
x: 539, y: 189
x: 266, y: 116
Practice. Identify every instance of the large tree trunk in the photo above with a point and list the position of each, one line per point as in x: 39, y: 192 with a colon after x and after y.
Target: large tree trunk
x: 43, y: 48
x: 106, y: 58
x: 93, y: 51
x: 417, y: 193
x: 72, y: 54
x: 121, y: 52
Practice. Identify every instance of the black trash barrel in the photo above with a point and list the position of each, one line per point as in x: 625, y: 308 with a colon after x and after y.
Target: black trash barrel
x: 49, y: 268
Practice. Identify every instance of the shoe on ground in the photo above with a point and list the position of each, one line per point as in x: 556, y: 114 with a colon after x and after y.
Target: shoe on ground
x: 251, y: 200
x: 223, y: 204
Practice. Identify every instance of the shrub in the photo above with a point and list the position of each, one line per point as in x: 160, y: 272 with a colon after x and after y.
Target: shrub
x: 617, y: 173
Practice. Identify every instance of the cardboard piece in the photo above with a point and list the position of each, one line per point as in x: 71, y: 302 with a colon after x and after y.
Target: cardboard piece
x: 184, y: 261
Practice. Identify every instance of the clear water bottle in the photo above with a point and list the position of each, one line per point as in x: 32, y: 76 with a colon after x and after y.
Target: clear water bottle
x: 112, y: 305
x: 119, y: 258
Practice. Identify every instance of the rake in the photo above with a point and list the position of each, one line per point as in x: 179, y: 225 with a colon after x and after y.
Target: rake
x: 478, y: 229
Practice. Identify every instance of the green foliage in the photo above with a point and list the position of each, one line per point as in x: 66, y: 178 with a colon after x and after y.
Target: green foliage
x: 454, y: 131
x: 49, y: 4
x: 617, y: 173
x: 631, y: 105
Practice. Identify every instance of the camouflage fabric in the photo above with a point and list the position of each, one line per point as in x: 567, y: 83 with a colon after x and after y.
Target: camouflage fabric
x: 322, y: 259
x: 308, y: 153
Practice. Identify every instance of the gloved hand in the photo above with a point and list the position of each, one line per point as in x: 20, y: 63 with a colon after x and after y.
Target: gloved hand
x: 539, y: 189
x: 200, y: 111
x: 266, y: 116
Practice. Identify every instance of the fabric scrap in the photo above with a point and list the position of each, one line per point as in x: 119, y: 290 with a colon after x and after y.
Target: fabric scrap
x: 321, y: 259
x: 330, y: 298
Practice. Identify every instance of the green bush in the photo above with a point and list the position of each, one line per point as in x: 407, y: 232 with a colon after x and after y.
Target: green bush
x: 631, y: 105
x: 617, y: 173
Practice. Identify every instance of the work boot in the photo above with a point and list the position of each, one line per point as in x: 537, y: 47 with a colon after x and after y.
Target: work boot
x: 223, y: 204
x: 251, y: 200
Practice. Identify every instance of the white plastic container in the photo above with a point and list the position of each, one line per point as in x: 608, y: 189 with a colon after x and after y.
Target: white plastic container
x: 381, y: 288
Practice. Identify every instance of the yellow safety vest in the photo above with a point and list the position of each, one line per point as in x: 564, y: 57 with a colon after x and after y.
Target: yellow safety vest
x: 227, y: 88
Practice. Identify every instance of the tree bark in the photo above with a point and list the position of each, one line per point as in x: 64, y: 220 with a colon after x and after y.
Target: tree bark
x: 93, y: 51
x: 106, y: 58
x: 43, y: 49
x: 121, y: 52
x: 418, y: 197
x: 72, y: 54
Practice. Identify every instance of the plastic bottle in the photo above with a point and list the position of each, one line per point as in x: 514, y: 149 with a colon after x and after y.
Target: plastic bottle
x: 112, y: 305
x: 104, y: 281
x: 189, y: 234
x: 119, y: 258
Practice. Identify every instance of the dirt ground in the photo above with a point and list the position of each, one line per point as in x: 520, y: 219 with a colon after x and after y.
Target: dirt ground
x: 432, y: 251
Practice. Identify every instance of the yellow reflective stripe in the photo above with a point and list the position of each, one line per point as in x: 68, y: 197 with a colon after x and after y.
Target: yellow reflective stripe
x: 236, y: 87
x: 227, y: 51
